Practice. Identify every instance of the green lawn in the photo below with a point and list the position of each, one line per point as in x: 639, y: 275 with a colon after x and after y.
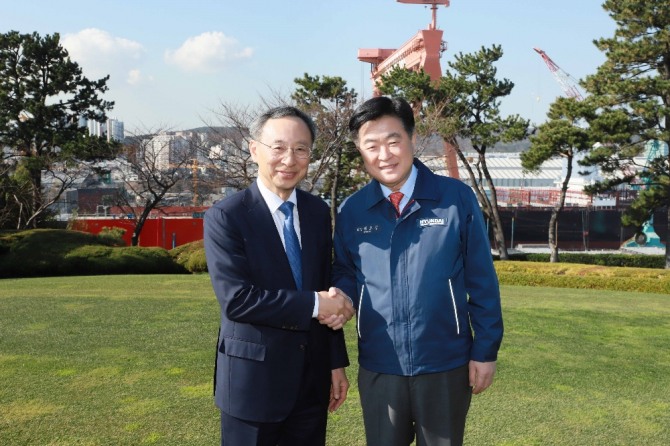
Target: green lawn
x: 127, y: 360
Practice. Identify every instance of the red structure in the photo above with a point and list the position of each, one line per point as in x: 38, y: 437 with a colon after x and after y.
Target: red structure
x: 421, y: 52
x: 166, y: 227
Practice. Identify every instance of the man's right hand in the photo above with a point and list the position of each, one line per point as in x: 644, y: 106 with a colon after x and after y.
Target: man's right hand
x: 335, y: 308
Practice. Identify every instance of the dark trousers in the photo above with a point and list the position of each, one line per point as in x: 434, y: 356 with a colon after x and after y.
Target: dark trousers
x: 305, y: 425
x: 433, y: 407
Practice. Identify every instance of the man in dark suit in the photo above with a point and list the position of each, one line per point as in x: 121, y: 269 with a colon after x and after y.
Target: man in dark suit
x: 281, y: 355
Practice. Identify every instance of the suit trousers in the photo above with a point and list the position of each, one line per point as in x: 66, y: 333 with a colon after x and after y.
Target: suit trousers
x: 432, y: 406
x: 304, y: 426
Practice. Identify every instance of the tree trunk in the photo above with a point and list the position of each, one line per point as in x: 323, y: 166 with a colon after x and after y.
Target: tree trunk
x: 135, y: 239
x: 493, y: 204
x: 488, y: 209
x: 36, y: 199
x: 553, y: 235
x: 667, y: 242
x: 553, y: 221
x: 499, y: 234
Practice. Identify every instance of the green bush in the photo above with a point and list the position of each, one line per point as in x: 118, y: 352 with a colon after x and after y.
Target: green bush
x: 572, y: 275
x: 631, y: 260
x: 191, y: 256
x: 95, y: 260
x: 53, y: 252
x: 113, y: 235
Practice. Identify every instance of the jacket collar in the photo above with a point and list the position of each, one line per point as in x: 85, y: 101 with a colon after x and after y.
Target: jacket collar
x: 424, y: 189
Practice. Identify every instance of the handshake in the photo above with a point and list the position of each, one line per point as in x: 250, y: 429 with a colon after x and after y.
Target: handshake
x: 335, y: 308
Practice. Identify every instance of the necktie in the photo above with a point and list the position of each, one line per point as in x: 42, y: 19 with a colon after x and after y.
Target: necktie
x: 396, y: 198
x: 292, y: 243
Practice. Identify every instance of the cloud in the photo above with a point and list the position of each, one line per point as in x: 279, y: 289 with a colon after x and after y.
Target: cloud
x: 209, y: 52
x: 99, y: 54
x: 136, y: 77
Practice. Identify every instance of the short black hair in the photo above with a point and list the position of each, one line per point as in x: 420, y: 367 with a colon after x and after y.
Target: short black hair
x: 377, y: 107
x: 285, y: 111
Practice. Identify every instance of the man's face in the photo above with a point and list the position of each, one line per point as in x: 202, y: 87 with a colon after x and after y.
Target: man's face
x: 387, y: 151
x: 281, y: 174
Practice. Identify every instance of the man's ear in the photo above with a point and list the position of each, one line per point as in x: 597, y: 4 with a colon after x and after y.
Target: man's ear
x: 253, y: 146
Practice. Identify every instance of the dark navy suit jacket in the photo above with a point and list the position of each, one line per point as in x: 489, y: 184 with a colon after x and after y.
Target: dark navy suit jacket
x: 268, y: 335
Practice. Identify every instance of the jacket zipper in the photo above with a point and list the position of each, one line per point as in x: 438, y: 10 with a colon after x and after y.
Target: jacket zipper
x: 453, y: 302
x: 360, y: 308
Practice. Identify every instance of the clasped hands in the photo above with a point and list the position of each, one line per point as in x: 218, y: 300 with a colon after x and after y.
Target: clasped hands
x: 335, y: 308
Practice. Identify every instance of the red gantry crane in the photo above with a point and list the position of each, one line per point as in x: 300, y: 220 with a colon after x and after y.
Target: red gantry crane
x: 422, y: 51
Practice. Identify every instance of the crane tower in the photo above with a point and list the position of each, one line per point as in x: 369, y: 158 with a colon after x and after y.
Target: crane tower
x: 422, y: 51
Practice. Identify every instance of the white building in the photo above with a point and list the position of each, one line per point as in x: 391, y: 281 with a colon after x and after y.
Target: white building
x: 166, y: 150
x: 115, y: 130
x: 516, y: 187
x: 112, y: 129
x: 505, y: 170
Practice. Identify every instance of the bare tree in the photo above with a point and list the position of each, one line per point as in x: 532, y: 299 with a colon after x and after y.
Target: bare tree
x: 228, y: 147
x: 154, y: 163
x: 335, y: 166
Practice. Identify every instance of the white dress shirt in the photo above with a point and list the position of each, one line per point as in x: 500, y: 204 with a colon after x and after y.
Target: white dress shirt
x: 273, y: 202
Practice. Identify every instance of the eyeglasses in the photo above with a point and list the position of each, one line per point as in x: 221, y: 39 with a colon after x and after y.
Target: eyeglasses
x: 279, y: 151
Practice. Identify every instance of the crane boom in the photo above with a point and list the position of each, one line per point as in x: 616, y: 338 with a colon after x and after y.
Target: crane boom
x: 567, y: 82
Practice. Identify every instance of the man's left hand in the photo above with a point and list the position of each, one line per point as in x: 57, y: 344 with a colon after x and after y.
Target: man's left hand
x: 338, y: 389
x: 481, y: 375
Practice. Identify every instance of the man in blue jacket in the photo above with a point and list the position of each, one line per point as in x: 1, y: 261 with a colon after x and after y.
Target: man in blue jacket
x: 412, y: 250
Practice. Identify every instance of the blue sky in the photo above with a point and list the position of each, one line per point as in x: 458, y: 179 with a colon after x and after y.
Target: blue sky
x: 172, y: 63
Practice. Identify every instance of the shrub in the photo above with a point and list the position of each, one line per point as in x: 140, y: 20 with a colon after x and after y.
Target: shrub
x: 113, y: 235
x: 52, y: 252
x: 567, y: 275
x: 631, y: 260
x: 93, y: 260
x: 191, y: 256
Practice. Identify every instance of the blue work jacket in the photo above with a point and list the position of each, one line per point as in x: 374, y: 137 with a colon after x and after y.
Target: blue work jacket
x: 423, y: 284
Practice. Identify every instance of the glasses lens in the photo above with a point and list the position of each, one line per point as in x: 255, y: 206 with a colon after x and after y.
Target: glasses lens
x: 279, y: 152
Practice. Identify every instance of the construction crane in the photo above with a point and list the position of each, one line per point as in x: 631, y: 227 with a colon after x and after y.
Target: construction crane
x: 422, y: 51
x: 567, y: 82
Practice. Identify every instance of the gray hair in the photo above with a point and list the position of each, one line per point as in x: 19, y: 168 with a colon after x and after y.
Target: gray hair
x: 281, y: 112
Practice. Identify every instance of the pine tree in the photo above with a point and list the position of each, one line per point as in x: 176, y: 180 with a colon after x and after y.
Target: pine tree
x: 633, y: 90
x: 43, y: 95
x: 331, y: 103
x: 465, y: 105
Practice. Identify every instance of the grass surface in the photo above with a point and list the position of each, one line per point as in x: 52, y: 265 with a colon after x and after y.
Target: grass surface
x: 127, y: 360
